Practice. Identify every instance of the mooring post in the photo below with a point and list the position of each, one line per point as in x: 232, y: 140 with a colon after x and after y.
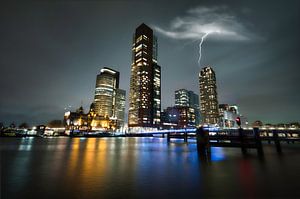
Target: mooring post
x: 206, y: 138
x: 168, y: 137
x: 242, y: 141
x: 202, y: 140
x: 276, y: 141
x: 291, y: 136
x: 286, y: 136
x: 258, y: 141
x: 185, y: 136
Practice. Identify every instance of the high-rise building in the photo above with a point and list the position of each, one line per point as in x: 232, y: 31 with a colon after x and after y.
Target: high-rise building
x: 109, y: 101
x: 145, y: 84
x: 106, y: 84
x: 208, y: 96
x: 120, y: 107
x: 182, y: 97
x: 188, y: 98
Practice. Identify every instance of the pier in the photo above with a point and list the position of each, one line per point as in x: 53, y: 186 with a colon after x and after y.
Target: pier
x: 236, y: 138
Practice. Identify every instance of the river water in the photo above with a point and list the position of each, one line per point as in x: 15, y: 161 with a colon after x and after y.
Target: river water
x: 142, y: 168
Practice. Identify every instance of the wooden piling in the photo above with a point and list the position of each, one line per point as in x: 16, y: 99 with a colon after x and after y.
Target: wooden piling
x: 185, y: 136
x: 277, y: 141
x: 258, y: 141
x: 217, y: 135
x: 202, y: 138
x: 242, y: 141
x: 168, y: 137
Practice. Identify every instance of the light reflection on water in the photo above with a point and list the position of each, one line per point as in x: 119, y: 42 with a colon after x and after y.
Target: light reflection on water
x: 217, y: 154
x: 26, y: 144
x: 137, y: 168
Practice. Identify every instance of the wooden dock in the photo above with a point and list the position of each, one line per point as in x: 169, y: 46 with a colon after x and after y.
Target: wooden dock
x: 238, y: 138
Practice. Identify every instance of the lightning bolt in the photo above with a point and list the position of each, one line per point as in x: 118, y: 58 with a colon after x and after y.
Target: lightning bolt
x: 200, y: 47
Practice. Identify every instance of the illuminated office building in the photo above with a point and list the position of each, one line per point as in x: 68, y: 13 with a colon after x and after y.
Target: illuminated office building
x: 109, y: 101
x: 145, y: 84
x: 190, y: 99
x: 178, y: 117
x: 208, y: 96
x: 182, y: 97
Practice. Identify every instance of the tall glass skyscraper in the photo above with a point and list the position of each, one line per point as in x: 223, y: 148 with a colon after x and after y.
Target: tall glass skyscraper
x: 109, y: 101
x: 145, y: 84
x: 208, y: 96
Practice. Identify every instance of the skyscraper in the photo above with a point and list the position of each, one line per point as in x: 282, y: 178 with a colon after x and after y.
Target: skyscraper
x: 145, y: 85
x: 109, y: 100
x: 106, y: 84
x: 208, y: 96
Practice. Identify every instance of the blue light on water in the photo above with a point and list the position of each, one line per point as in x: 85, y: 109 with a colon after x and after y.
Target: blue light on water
x: 217, y: 154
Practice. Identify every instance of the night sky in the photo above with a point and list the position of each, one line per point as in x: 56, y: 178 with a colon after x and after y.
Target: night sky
x: 51, y: 52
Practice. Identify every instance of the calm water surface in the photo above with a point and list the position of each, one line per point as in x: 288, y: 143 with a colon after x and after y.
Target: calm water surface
x: 142, y: 168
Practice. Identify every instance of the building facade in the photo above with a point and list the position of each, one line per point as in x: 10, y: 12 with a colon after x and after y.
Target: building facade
x: 120, y: 107
x: 188, y: 98
x: 79, y: 121
x: 208, y: 96
x: 182, y: 97
x: 105, y: 93
x: 109, y: 101
x: 228, y: 116
x: 178, y: 117
x: 145, y: 81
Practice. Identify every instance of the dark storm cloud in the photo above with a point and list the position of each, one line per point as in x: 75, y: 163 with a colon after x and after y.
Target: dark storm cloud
x: 216, y: 21
x: 51, y: 52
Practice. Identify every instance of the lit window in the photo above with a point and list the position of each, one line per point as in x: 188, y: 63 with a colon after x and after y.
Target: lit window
x: 138, y: 48
x: 139, y: 39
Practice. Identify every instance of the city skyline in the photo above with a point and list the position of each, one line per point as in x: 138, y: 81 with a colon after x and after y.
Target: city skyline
x: 42, y: 55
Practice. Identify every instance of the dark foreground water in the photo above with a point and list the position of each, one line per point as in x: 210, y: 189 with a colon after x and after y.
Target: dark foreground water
x: 142, y: 168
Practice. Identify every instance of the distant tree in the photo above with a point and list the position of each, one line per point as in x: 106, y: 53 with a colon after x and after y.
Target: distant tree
x: 55, y: 124
x: 23, y: 125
